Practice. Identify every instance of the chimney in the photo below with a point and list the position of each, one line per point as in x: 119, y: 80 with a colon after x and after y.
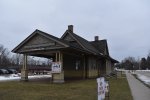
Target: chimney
x: 70, y: 28
x: 96, y: 38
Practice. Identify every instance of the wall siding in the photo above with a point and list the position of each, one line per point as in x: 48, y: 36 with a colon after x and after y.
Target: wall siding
x: 69, y: 64
x: 92, y: 67
x: 108, y: 67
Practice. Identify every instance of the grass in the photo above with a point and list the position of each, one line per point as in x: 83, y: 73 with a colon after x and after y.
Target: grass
x: 73, y: 90
x: 119, y: 89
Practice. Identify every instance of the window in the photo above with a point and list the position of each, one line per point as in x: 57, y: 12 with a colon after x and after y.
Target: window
x: 77, y: 64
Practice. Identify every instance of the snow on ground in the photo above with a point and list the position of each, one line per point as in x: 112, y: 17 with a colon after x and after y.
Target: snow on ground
x: 143, y: 70
x: 143, y: 75
x: 144, y: 78
x: 16, y: 77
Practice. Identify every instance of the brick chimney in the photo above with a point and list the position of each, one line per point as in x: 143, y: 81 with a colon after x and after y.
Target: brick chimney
x: 96, y: 38
x: 70, y: 28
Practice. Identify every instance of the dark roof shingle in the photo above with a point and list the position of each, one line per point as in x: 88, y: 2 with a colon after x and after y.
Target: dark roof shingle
x: 84, y: 43
x: 100, y: 45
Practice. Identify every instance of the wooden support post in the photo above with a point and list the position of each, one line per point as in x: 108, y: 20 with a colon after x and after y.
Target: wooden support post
x: 56, y: 57
x: 61, y: 57
x: 84, y: 70
x: 24, y: 70
x: 59, y: 77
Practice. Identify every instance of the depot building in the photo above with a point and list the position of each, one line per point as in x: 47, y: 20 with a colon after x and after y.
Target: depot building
x: 73, y: 56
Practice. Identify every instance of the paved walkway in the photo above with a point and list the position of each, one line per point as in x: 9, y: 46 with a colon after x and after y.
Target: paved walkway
x: 138, y: 89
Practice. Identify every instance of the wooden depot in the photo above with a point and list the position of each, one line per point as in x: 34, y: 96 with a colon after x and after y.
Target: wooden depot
x: 79, y: 58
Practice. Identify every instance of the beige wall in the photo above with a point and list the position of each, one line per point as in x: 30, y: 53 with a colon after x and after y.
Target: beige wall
x: 92, y: 67
x: 108, y: 67
x: 71, y: 69
x: 58, y: 77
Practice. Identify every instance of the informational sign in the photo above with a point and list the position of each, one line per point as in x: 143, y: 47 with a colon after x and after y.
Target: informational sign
x: 106, y: 87
x: 56, y: 67
x: 101, y: 88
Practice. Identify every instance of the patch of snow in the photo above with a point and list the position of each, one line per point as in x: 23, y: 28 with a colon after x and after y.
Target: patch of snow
x: 143, y: 70
x: 120, y: 69
x: 39, y: 76
x: 9, y: 78
x: 144, y: 78
x: 16, y: 77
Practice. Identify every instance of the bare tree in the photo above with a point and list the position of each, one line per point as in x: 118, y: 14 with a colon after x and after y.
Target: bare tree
x: 148, y: 60
x: 148, y: 54
x: 16, y: 59
x: 143, y: 64
x: 130, y: 63
x: 4, y: 57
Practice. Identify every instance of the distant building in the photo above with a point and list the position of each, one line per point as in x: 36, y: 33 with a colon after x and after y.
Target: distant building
x: 78, y: 57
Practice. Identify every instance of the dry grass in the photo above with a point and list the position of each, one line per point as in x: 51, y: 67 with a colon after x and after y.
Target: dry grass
x: 73, y: 90
x: 119, y: 89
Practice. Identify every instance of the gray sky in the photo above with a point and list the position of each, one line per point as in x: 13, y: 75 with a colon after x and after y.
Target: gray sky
x: 124, y: 23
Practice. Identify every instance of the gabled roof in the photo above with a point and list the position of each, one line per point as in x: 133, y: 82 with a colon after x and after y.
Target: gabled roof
x: 113, y: 60
x: 43, y: 34
x: 101, y: 46
x: 82, y: 42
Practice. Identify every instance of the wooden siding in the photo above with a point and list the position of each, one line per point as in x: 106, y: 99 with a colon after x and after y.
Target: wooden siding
x: 108, y: 67
x: 39, y: 42
x: 92, y: 67
x: 70, y: 66
x: 68, y: 38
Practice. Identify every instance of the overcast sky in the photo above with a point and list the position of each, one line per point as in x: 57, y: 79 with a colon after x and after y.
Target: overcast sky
x: 124, y: 23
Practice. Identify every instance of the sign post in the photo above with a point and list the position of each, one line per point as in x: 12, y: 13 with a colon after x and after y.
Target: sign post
x: 107, y: 89
x: 101, y: 88
x: 56, y: 67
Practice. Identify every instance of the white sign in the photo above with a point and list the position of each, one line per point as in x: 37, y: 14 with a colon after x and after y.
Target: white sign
x: 56, y: 67
x: 106, y: 87
x: 101, y: 88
